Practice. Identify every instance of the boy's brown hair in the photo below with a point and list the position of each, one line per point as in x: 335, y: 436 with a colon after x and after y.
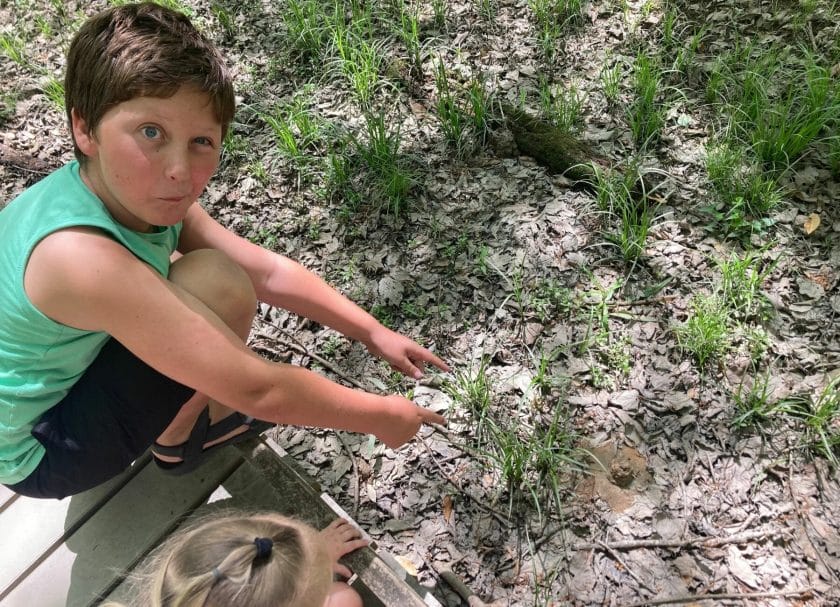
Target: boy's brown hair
x: 141, y: 50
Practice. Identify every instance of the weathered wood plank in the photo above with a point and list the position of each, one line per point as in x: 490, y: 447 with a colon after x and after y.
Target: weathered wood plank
x: 301, y: 497
x: 35, y: 527
x: 244, y: 490
x: 7, y: 496
x: 94, y: 559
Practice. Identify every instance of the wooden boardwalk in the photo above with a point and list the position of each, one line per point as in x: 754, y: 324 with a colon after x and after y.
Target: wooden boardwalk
x: 78, y: 551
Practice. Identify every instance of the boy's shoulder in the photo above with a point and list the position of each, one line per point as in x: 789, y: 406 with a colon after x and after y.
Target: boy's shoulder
x: 76, y: 273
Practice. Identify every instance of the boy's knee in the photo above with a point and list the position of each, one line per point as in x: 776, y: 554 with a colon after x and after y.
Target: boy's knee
x: 218, y: 281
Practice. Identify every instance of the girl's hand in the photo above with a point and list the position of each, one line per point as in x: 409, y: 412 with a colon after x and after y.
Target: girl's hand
x: 341, y: 538
x: 402, y: 353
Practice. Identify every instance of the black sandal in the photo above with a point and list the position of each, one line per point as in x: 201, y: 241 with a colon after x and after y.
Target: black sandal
x: 193, y: 452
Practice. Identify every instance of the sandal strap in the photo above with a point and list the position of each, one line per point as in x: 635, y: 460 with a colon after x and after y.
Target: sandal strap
x: 192, y: 451
x: 225, y: 426
x: 197, y: 438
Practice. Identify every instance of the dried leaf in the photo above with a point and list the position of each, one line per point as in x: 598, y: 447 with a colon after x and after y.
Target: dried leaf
x: 370, y: 490
x: 625, y: 399
x: 740, y: 567
x: 809, y: 288
x: 812, y: 223
x: 827, y: 533
x: 418, y: 109
x: 447, y: 508
x: 433, y: 399
x: 406, y: 564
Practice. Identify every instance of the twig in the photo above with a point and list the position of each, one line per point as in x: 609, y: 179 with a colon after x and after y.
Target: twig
x: 19, y: 161
x: 711, y: 542
x: 641, y: 302
x: 632, y: 573
x: 463, y: 590
x: 294, y: 344
x: 356, y: 480
x: 492, y: 511
x: 746, y: 596
x: 803, y: 521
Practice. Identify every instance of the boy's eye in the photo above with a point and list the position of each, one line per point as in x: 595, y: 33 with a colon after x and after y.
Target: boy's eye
x: 204, y: 141
x: 151, y: 132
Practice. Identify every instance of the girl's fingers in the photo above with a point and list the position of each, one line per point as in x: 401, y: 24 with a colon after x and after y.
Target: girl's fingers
x: 346, y: 528
x: 344, y: 534
x: 351, y: 545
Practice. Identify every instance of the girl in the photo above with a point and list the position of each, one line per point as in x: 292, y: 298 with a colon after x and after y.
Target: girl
x: 259, y: 560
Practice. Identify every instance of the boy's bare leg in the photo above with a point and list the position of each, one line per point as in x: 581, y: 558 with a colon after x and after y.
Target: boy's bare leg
x: 226, y: 289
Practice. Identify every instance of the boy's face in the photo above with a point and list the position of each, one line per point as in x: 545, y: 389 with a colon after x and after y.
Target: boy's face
x: 150, y: 158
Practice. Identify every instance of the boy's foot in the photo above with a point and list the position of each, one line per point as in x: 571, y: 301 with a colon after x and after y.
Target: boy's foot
x: 204, y: 439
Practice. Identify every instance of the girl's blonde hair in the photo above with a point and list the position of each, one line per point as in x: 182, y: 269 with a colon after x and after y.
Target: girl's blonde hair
x: 216, y: 563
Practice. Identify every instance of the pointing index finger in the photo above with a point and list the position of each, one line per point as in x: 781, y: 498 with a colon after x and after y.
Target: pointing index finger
x: 427, y: 356
x: 430, y: 417
x: 437, y: 362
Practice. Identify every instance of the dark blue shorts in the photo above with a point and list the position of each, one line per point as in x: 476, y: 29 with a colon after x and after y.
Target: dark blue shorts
x: 108, y: 419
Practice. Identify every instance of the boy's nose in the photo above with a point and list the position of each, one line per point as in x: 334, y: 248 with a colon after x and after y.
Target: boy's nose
x: 178, y: 166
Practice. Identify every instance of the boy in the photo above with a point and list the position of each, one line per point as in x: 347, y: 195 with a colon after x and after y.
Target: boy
x: 124, y: 307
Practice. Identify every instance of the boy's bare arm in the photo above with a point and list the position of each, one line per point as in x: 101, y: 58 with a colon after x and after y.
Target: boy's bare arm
x: 282, y: 282
x: 84, y: 279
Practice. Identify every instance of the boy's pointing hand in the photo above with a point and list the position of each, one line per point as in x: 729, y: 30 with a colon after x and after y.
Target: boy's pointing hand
x: 402, y: 353
x: 403, y: 419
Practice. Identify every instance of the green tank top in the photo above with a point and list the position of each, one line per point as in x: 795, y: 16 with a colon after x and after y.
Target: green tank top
x: 41, y: 359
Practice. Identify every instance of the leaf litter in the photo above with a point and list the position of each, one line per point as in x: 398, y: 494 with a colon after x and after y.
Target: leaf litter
x: 672, y: 501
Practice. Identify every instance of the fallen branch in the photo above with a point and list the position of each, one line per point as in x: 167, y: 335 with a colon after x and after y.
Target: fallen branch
x: 293, y: 344
x: 627, y: 568
x: 356, y: 479
x: 804, y: 521
x: 492, y: 511
x: 464, y: 591
x: 746, y: 596
x: 24, y: 162
x: 711, y: 542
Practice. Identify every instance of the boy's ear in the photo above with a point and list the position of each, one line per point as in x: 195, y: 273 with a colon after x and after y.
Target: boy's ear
x: 83, y: 136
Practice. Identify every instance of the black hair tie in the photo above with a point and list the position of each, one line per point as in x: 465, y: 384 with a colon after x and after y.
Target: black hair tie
x: 264, y: 545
